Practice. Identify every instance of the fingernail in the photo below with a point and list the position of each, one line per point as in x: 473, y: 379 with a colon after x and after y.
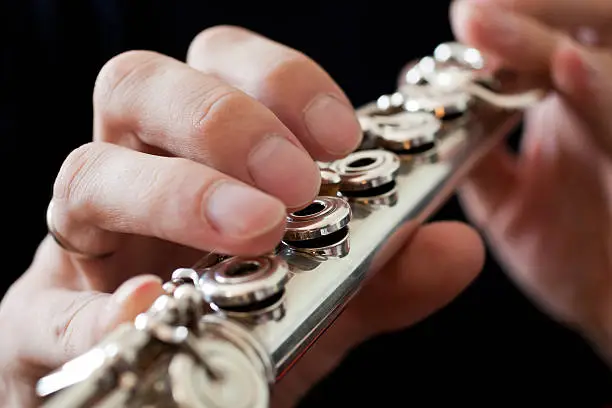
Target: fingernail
x: 133, y: 285
x: 283, y: 170
x: 133, y: 297
x: 238, y: 210
x: 333, y: 125
x: 461, y: 14
x: 494, y: 22
x: 574, y: 68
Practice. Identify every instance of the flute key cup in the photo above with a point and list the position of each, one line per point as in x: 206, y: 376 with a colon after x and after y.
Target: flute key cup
x: 266, y: 311
x: 406, y: 133
x: 368, y: 177
x: 321, y: 229
x: 248, y: 289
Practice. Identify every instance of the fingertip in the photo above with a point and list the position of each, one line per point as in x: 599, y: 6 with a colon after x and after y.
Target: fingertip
x: 133, y: 297
x: 568, y: 69
x: 461, y: 13
x: 332, y: 124
x: 471, y: 21
x: 470, y: 247
x: 435, y: 265
x: 440, y: 261
x: 238, y: 212
x: 283, y: 170
x: 461, y: 246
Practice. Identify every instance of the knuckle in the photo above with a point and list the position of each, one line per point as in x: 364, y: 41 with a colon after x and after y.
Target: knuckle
x: 121, y: 72
x: 63, y: 324
x: 210, y: 105
x: 179, y: 201
x: 292, y: 68
x: 77, y: 168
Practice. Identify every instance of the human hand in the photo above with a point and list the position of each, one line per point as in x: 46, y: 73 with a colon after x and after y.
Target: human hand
x: 188, y: 158
x: 547, y: 212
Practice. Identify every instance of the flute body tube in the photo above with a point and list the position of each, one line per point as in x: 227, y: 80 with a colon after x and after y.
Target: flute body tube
x: 230, y: 327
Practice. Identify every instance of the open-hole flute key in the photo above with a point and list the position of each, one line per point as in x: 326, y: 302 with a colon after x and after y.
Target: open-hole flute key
x: 230, y: 328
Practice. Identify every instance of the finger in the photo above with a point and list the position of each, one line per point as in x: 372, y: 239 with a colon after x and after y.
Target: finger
x: 563, y: 13
x: 428, y: 272
x: 293, y: 86
x: 63, y: 324
x: 583, y: 77
x: 145, y: 99
x: 489, y: 186
x: 511, y: 40
x: 103, y: 189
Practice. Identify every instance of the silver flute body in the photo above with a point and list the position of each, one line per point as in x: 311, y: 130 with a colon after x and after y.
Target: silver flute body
x: 229, y: 328
x: 315, y: 297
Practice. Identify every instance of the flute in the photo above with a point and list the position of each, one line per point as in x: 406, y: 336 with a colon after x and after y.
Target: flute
x: 229, y: 327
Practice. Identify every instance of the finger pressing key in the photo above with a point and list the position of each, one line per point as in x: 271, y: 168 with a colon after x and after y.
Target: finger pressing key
x: 143, y: 100
x: 289, y: 83
x: 103, y: 189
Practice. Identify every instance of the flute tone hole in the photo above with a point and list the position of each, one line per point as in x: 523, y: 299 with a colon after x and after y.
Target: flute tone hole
x: 312, y: 209
x: 242, y: 269
x: 366, y: 161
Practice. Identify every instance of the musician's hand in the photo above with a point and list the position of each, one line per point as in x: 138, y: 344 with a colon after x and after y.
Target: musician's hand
x: 548, y: 211
x: 188, y: 158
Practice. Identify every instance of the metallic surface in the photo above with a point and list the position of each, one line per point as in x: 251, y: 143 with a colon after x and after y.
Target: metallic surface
x: 330, y: 183
x: 266, y: 311
x: 324, y: 216
x: 406, y: 131
x: 241, y: 282
x: 366, y: 169
x: 315, y: 296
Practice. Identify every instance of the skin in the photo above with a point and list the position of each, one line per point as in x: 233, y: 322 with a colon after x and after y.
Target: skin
x: 166, y: 179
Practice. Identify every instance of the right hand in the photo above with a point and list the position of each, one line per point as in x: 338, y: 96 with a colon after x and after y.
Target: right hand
x: 189, y: 158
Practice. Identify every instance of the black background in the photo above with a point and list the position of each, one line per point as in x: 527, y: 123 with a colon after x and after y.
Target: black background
x: 489, y: 347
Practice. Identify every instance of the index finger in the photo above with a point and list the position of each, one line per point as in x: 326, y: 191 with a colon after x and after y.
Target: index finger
x: 561, y: 13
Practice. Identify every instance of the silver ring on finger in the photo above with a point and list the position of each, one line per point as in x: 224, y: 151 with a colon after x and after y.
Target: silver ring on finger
x: 63, y: 243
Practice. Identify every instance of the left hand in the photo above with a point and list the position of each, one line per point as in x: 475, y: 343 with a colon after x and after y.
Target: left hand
x: 547, y: 211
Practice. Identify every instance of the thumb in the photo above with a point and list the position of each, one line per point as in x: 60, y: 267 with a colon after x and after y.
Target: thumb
x: 68, y: 323
x: 434, y: 265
